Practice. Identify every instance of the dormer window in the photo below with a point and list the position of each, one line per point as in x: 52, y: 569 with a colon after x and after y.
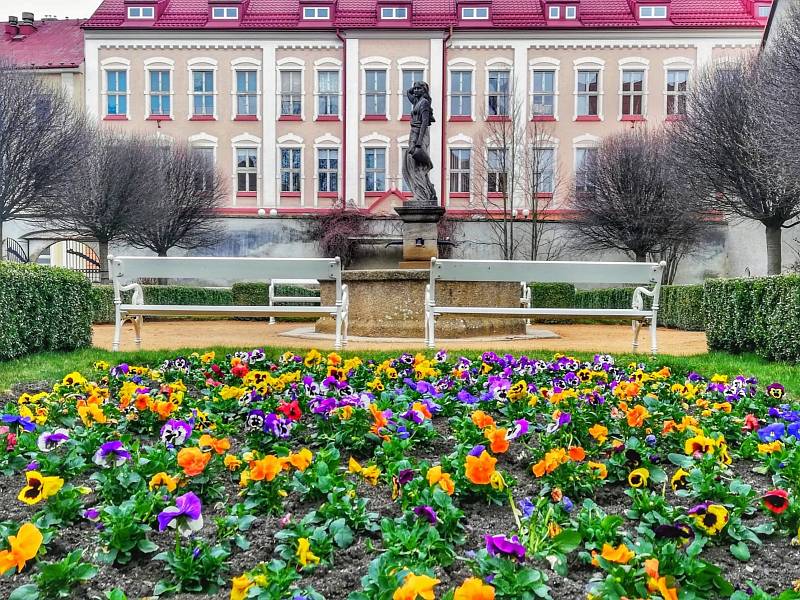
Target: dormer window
x: 317, y: 13
x: 763, y: 10
x: 474, y: 13
x: 141, y: 12
x: 394, y: 13
x: 225, y: 12
x: 554, y: 12
x: 571, y: 12
x: 652, y: 12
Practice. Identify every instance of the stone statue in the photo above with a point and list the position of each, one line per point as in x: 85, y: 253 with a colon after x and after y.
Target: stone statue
x: 417, y: 161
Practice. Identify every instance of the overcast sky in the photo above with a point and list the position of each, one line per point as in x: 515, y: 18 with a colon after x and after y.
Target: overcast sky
x: 40, y: 8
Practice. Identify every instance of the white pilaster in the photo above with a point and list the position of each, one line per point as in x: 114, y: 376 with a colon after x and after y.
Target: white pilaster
x: 520, y: 90
x: 353, y: 157
x: 438, y: 99
x: 92, y: 78
x: 269, y: 157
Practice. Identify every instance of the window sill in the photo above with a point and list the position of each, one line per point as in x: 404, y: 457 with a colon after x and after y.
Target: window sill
x: 328, y: 118
x: 495, y: 195
x: 116, y: 118
x: 461, y: 119
x: 246, y: 194
x: 588, y: 118
x: 327, y: 194
x: 634, y: 118
x: 159, y: 118
x: 376, y: 194
x: 376, y: 118
x: 246, y: 118
x: 544, y: 195
x: 543, y: 118
x: 459, y: 194
x: 290, y: 194
x: 290, y: 118
x: 203, y: 118
x: 498, y: 118
x: 405, y: 118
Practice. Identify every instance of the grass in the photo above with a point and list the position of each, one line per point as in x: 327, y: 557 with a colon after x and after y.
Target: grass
x: 52, y: 366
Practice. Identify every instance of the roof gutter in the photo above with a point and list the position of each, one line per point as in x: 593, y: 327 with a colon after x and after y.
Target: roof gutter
x: 343, y: 158
x: 445, y: 47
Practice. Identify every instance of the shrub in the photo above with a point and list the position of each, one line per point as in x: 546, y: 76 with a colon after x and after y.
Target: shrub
x: 43, y: 308
x: 103, y: 298
x: 760, y: 315
x: 257, y: 294
x: 552, y: 295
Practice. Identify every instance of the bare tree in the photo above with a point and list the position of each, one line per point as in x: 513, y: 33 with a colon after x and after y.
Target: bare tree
x: 732, y: 150
x: 182, y: 213
x: 514, y: 180
x: 117, y: 180
x: 42, y: 142
x: 631, y: 200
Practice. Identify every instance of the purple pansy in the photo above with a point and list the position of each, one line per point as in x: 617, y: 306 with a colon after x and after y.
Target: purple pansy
x: 23, y: 422
x: 175, y: 432
x: 186, y: 515
x: 111, y: 454
x: 426, y: 512
x: 508, y: 547
x: 50, y: 440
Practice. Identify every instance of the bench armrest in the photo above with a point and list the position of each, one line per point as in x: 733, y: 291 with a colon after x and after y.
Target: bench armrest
x: 638, y: 301
x: 138, y: 292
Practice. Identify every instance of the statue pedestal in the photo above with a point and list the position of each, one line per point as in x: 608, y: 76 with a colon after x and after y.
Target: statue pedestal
x: 420, y: 234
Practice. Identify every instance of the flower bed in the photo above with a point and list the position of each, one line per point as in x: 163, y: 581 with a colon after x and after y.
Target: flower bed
x: 329, y: 477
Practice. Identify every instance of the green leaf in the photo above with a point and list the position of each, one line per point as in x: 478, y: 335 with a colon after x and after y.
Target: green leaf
x: 162, y: 587
x: 246, y: 522
x: 116, y: 594
x: 568, y: 540
x: 25, y: 592
x: 681, y: 460
x: 147, y: 546
x: 740, y: 551
x: 740, y: 488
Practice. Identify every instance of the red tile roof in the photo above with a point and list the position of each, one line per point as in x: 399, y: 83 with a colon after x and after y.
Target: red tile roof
x: 285, y: 14
x: 54, y: 45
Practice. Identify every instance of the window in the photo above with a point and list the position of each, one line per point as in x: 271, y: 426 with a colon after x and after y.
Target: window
x: 141, y: 12
x: 328, y: 170
x: 571, y: 12
x: 498, y: 92
x: 403, y: 184
x: 117, y: 92
x: 461, y: 93
x: 460, y: 170
x: 496, y: 176
x: 763, y: 11
x: 374, y: 169
x: 160, y: 93
x: 409, y: 77
x: 554, y: 12
x: 677, y: 91
x: 205, y: 157
x: 246, y: 169
x: 544, y: 170
x: 203, y: 93
x: 588, y: 93
x: 395, y: 13
x: 291, y: 93
x: 290, y: 169
x: 246, y: 93
x: 544, y: 93
x: 583, y: 163
x: 652, y: 12
x: 320, y: 13
x: 225, y: 12
x: 632, y: 93
x: 375, y: 92
x: 328, y: 88
x: 475, y: 13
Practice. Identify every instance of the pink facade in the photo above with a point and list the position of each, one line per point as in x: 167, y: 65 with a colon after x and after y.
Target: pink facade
x: 301, y: 103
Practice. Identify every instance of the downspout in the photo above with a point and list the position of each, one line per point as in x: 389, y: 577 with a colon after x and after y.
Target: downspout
x: 343, y: 158
x: 445, y: 43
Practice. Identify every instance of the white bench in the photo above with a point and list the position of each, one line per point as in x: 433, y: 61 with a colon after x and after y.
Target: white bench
x: 276, y: 298
x: 125, y: 271
x: 647, y: 276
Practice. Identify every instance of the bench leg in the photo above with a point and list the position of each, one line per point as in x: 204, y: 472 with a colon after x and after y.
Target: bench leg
x: 137, y: 327
x: 337, y: 344
x: 637, y: 325
x: 117, y: 331
x: 653, y: 339
x: 431, y: 335
x: 272, y: 320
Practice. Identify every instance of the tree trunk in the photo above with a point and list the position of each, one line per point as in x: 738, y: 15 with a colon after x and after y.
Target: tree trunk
x: 102, y: 256
x: 641, y: 256
x: 162, y: 253
x: 773, y: 250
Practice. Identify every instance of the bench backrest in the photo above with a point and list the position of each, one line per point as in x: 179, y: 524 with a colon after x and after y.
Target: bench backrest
x: 128, y: 269
x: 547, y: 271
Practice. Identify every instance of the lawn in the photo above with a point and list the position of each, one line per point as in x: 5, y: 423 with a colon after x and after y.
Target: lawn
x: 297, y: 475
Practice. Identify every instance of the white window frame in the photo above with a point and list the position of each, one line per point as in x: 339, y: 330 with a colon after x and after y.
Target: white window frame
x: 225, y: 16
x: 635, y: 63
x: 490, y: 147
x: 498, y: 63
x: 589, y: 63
x: 553, y: 13
x: 582, y: 142
x: 159, y: 63
x: 327, y: 65
x: 544, y: 63
x: 203, y: 64
x: 402, y: 148
x: 245, y: 64
x: 290, y: 63
x: 652, y: 9
x: 571, y: 12
x: 461, y: 64
x: 326, y: 142
x: 409, y: 63
x: 142, y: 17
x: 316, y: 13
x: 394, y: 13
x: 204, y: 141
x: 115, y: 63
x: 375, y: 63
x: 460, y: 142
x: 369, y: 142
x: 474, y: 13
x: 760, y: 7
x: 243, y: 141
x: 547, y: 142
x: 292, y: 142
x: 677, y: 63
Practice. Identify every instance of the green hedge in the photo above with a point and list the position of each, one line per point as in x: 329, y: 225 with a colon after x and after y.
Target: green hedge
x: 103, y: 297
x: 552, y: 295
x: 256, y: 294
x: 681, y: 306
x: 759, y: 315
x: 43, y: 308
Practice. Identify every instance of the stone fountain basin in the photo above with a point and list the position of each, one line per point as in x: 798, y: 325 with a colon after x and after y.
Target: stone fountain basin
x: 389, y: 303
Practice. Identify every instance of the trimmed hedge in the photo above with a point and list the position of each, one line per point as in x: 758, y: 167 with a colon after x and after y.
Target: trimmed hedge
x: 103, y: 298
x: 43, y: 308
x: 760, y: 315
x: 681, y: 306
x: 552, y: 295
x: 256, y: 294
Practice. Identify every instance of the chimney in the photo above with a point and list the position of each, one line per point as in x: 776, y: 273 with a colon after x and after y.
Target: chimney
x: 11, y: 27
x: 27, y: 27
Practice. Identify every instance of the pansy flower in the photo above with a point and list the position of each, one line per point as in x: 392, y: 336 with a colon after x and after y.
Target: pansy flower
x: 427, y: 513
x: 500, y: 545
x: 304, y: 554
x: 776, y: 501
x: 474, y: 589
x: 675, y: 531
x: 619, y: 554
x: 775, y: 390
x: 39, y: 487
x: 48, y: 441
x: 186, y: 516
x: 175, y: 432
x: 23, y: 422
x: 638, y: 478
x: 710, y: 518
x: 479, y: 469
x: 772, y: 432
x: 23, y: 548
x: 416, y: 587
x: 680, y: 480
x: 111, y: 454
